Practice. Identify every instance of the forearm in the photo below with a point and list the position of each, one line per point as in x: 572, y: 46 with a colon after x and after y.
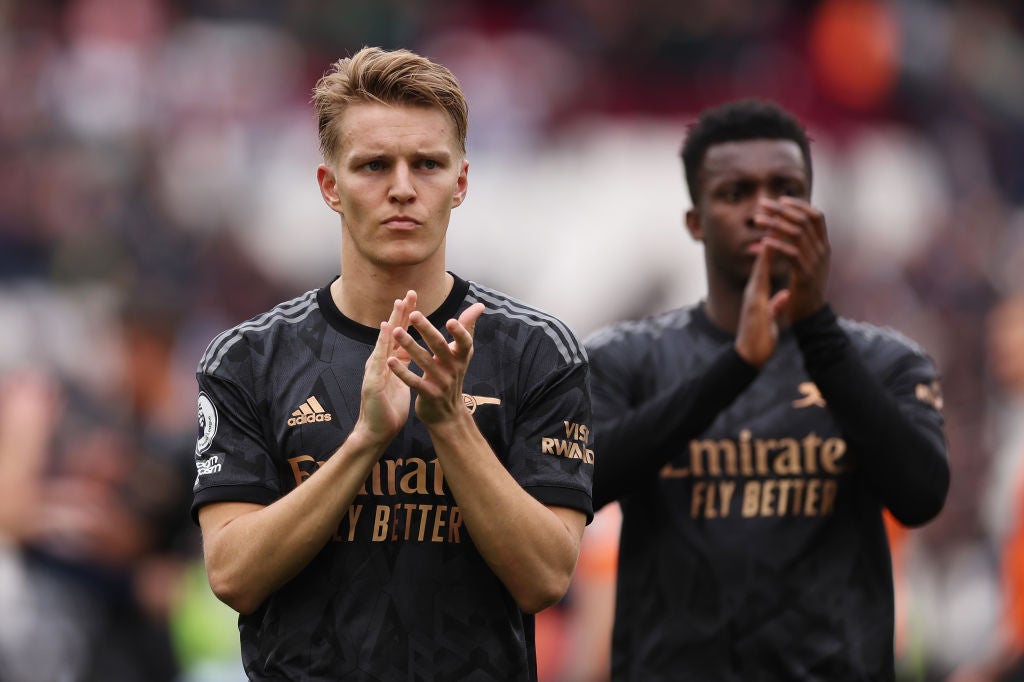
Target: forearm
x: 634, y: 444
x: 251, y: 550
x: 530, y: 547
x: 902, y: 459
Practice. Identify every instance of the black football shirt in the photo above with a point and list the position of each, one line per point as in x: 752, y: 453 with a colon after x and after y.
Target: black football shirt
x: 757, y: 552
x: 400, y: 592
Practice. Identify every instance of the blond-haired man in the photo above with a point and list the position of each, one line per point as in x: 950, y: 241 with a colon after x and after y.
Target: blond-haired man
x: 392, y: 470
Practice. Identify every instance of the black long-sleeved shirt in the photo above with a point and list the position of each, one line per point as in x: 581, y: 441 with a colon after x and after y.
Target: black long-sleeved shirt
x: 753, y: 545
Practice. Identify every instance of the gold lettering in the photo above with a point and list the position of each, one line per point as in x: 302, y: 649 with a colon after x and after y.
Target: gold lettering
x: 774, y: 497
x: 415, y: 481
x: 788, y: 463
x: 424, y: 510
x: 454, y: 524
x: 353, y: 518
x: 567, y: 449
x: 811, y: 443
x: 439, y: 511
x: 748, y: 456
x: 575, y: 431
x: 746, y: 460
x: 714, y: 498
x: 697, y: 497
x: 750, y: 495
x: 380, y: 523
x: 710, y: 453
x: 300, y: 473
x: 832, y: 451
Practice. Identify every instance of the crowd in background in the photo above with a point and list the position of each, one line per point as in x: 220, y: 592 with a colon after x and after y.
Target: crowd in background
x: 157, y: 165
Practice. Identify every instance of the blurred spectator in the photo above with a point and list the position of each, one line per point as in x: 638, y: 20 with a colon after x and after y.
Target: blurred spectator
x: 1003, y: 660
x: 84, y: 534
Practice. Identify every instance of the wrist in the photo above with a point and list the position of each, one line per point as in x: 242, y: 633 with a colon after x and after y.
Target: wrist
x: 453, y: 426
x: 364, y: 438
x: 822, y: 319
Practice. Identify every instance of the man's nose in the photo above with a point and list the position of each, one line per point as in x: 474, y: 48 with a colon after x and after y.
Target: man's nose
x: 402, y: 188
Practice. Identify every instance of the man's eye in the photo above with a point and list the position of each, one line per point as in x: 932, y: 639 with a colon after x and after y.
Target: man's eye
x: 430, y: 164
x: 374, y: 165
x: 732, y: 194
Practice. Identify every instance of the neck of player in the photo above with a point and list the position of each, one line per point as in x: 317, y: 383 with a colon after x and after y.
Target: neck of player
x: 369, y: 299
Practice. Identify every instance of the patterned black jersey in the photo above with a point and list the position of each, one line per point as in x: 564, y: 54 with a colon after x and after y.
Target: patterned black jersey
x: 400, y: 593
x: 757, y: 552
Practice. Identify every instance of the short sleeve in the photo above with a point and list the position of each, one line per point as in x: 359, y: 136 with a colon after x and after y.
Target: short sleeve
x: 231, y: 457
x: 551, y: 454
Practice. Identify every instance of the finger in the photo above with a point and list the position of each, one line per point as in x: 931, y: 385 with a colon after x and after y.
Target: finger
x: 778, y: 226
x: 431, y: 336
x: 406, y: 375
x: 400, y: 313
x: 385, y: 339
x: 802, y: 254
x: 779, y: 247
x: 382, y: 348
x: 760, y: 275
x: 797, y: 251
x: 415, y: 352
x: 410, y: 303
x: 470, y: 315
x: 780, y: 303
x: 462, y: 329
x: 813, y: 217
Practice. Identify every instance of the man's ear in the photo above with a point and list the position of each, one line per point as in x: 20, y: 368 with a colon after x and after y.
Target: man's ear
x: 328, y: 183
x: 693, y: 225
x: 462, y: 185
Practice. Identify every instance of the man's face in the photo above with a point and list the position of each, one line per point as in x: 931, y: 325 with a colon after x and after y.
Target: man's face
x: 399, y: 173
x: 734, y: 177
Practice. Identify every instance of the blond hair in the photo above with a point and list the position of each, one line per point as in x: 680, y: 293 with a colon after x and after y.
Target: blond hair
x: 388, y: 77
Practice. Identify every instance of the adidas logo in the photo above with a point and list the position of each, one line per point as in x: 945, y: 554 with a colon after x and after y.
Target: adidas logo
x: 309, y: 412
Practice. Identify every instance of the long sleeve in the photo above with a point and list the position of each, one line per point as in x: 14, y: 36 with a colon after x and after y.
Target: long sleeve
x: 632, y: 442
x: 896, y: 424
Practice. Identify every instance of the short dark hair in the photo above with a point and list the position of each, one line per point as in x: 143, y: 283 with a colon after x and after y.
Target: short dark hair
x: 745, y: 119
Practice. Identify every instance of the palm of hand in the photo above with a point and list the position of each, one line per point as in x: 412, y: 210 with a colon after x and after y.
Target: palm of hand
x: 386, y: 406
